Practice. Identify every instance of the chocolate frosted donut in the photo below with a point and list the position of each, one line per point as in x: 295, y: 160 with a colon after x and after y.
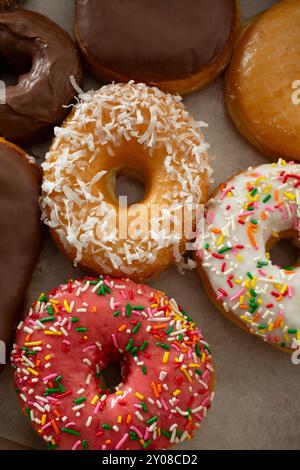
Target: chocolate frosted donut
x: 176, y: 45
x: 20, y: 235
x: 32, y: 43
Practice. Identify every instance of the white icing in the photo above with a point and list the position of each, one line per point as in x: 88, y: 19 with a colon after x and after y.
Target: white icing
x: 267, y: 278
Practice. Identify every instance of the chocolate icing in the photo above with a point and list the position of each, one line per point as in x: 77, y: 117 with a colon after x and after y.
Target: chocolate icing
x: 30, y: 41
x: 154, y: 40
x: 20, y: 234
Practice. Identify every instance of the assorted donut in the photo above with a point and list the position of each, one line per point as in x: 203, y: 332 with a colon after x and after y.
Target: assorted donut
x: 71, y: 334
x: 144, y: 133
x: 137, y: 126
x: 21, y: 232
x: 244, y: 218
x: 174, y: 45
x: 262, y: 83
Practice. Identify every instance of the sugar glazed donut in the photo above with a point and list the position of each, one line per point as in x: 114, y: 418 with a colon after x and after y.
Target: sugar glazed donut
x: 44, y: 57
x: 69, y: 338
x: 244, y: 219
x: 124, y: 129
x: 262, y: 84
x: 175, y: 45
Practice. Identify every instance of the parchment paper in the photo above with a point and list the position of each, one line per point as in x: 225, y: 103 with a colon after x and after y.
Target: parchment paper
x: 257, y: 402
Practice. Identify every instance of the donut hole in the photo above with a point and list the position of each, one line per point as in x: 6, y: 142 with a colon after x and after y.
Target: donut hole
x: 111, y: 376
x: 130, y: 183
x: 11, y: 69
x: 284, y: 250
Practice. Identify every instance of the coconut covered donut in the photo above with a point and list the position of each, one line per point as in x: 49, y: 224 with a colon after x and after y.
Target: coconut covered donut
x: 71, y: 335
x: 244, y: 218
x: 138, y: 131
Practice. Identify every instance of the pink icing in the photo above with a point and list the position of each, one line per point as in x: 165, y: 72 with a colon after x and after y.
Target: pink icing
x: 141, y: 411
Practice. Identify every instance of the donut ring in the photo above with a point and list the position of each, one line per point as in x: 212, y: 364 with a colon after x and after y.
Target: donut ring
x: 168, y: 377
x: 136, y: 130
x: 262, y: 91
x: 21, y: 233
x: 177, y: 46
x: 31, y: 41
x: 244, y: 218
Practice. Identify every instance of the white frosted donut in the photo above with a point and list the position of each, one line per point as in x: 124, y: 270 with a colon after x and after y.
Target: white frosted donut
x: 126, y: 129
x: 242, y: 221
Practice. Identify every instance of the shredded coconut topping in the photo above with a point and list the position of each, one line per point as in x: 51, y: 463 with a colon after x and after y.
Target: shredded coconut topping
x: 80, y: 164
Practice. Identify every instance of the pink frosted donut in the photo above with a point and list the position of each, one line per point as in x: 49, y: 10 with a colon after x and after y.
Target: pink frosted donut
x: 72, y: 334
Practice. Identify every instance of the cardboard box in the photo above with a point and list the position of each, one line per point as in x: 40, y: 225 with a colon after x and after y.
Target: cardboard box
x: 256, y: 405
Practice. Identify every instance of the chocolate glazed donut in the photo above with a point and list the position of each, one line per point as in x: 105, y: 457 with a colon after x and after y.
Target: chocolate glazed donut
x: 176, y: 45
x: 20, y: 235
x: 31, y: 43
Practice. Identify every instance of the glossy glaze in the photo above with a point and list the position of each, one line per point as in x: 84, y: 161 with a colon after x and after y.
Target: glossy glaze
x: 20, y: 235
x: 32, y: 43
x: 98, y: 322
x: 155, y: 41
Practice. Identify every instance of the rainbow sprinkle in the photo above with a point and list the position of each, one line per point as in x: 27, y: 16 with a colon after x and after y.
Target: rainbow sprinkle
x: 166, y: 366
x: 250, y: 210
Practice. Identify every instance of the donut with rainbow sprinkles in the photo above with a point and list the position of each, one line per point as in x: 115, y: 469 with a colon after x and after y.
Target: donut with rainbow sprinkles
x: 72, y: 334
x: 244, y: 219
